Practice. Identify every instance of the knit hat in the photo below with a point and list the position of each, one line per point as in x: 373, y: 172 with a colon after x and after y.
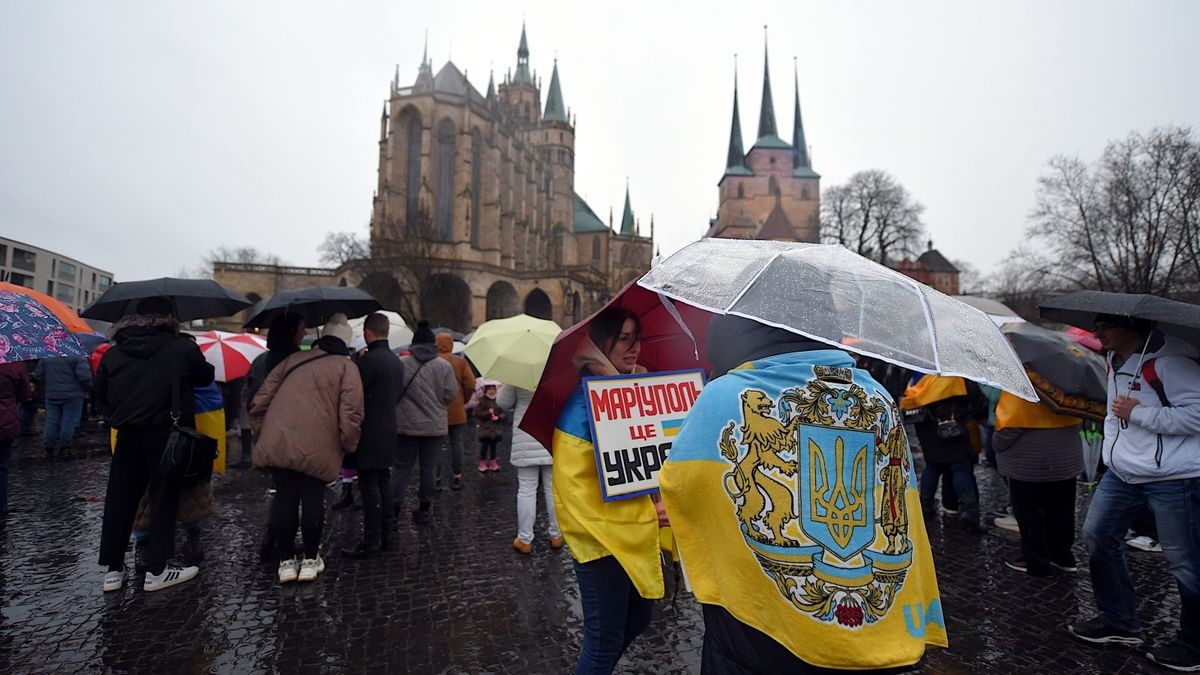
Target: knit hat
x: 338, y: 327
x: 423, y: 336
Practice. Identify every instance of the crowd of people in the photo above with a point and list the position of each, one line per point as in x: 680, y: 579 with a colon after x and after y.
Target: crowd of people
x: 369, y: 417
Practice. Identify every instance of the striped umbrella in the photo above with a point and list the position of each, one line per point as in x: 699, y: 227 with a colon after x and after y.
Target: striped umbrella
x: 230, y: 353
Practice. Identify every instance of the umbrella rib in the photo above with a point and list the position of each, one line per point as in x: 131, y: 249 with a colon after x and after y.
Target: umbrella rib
x: 674, y: 312
x: 758, y: 275
x: 937, y: 358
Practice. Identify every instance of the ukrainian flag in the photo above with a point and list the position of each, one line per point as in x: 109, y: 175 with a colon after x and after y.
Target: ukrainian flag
x: 671, y: 427
x: 794, y: 505
x: 210, y: 421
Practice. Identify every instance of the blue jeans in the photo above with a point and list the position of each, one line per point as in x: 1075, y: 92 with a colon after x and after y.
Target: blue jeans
x: 613, y: 614
x: 62, y: 416
x: 5, y: 458
x: 1176, y: 508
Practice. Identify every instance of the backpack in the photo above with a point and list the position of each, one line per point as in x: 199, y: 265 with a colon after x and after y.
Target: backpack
x: 1150, y: 376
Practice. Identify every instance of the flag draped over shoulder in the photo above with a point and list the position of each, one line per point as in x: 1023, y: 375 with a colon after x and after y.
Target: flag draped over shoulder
x: 931, y: 389
x: 210, y: 421
x: 793, y: 501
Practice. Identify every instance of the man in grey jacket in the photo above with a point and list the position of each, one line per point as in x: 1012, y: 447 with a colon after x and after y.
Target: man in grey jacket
x: 66, y: 381
x: 1152, y: 451
x: 421, y: 419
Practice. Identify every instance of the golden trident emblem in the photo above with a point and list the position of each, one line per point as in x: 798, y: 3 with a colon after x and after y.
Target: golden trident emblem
x: 844, y: 510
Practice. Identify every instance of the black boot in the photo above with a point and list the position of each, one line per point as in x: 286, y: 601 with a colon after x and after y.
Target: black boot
x: 247, y: 450
x: 347, y: 499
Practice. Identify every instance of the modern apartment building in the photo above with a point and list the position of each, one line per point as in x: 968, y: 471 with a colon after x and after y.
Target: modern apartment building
x: 66, y: 279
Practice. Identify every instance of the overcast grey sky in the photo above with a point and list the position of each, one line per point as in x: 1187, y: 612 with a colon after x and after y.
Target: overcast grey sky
x: 139, y: 135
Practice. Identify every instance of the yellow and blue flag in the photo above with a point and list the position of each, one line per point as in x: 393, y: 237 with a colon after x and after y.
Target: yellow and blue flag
x: 794, y: 505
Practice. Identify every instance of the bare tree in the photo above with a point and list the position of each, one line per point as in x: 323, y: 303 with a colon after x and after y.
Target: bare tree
x: 1023, y: 280
x: 872, y: 215
x: 1128, y: 224
x: 241, y: 254
x: 970, y: 280
x: 340, y: 248
x: 414, y: 252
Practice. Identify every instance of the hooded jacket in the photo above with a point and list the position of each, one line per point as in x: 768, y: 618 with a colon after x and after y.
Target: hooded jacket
x: 309, y: 417
x: 1159, y: 443
x: 456, y: 412
x: 149, y: 359
x: 64, y: 378
x: 429, y: 387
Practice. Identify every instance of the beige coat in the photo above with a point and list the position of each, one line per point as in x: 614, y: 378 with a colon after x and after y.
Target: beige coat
x: 309, y: 420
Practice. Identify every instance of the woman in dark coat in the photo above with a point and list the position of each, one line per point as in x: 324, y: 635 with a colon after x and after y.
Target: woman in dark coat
x: 382, y: 377
x: 14, y: 389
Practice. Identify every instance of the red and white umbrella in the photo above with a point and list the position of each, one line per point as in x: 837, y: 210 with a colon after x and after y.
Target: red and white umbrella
x: 230, y: 353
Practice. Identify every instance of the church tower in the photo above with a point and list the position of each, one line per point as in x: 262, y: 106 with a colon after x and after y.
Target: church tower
x: 771, y: 192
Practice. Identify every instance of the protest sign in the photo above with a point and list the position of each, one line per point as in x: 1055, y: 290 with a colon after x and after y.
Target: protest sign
x: 633, y: 419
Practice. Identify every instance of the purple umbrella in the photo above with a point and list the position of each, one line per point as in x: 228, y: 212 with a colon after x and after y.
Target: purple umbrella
x: 30, y: 331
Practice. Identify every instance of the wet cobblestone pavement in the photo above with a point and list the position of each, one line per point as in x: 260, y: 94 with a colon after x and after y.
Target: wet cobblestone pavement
x: 451, y: 597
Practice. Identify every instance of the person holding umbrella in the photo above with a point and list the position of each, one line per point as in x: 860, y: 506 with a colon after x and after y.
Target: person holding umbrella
x: 615, y: 544
x: 150, y: 364
x: 1152, y: 451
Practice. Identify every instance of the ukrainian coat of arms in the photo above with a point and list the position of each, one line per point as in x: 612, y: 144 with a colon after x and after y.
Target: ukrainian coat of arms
x: 818, y: 483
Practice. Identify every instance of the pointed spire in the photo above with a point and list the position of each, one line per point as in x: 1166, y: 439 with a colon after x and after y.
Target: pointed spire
x: 425, y: 52
x: 491, y: 90
x: 800, y: 158
x: 736, y: 159
x: 556, y: 111
x: 766, y: 117
x: 627, y: 217
x: 523, y: 75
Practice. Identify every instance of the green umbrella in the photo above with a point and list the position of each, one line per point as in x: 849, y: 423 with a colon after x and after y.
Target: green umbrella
x: 514, y: 350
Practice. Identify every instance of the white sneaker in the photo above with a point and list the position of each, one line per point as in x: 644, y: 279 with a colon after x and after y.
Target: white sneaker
x: 288, y: 570
x: 310, y: 568
x: 320, y: 565
x: 1007, y: 523
x: 170, y: 576
x: 1144, y: 543
x: 114, y: 581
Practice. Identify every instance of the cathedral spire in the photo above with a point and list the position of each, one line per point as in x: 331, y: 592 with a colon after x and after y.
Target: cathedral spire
x: 800, y: 159
x: 523, y: 76
x: 627, y: 218
x: 556, y: 111
x: 736, y: 159
x: 491, y: 90
x: 766, y: 118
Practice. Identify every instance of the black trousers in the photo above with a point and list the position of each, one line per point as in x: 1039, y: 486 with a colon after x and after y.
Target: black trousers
x: 133, y: 470
x: 375, y: 486
x: 1045, y: 515
x: 487, y: 448
x: 295, y: 491
x: 409, y: 451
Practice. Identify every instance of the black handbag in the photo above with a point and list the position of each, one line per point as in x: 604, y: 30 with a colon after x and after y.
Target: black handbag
x: 188, y: 456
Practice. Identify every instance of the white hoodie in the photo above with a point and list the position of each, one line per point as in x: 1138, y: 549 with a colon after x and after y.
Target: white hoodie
x: 1132, y: 453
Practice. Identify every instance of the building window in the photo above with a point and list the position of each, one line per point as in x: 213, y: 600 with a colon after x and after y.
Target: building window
x: 773, y: 186
x: 596, y: 252
x: 445, y: 180
x: 65, y: 292
x: 18, y: 279
x: 3, y: 255
x: 476, y: 184
x: 66, y: 271
x: 49, y: 287
x: 24, y: 260
x: 741, y: 190
x: 412, y: 187
x: 805, y: 194
x: 105, y: 282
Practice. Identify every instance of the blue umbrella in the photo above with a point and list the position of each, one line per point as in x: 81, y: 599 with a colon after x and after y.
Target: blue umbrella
x: 30, y: 331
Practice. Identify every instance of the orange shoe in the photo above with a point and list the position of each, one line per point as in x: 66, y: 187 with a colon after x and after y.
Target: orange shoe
x: 522, y: 546
x: 556, y: 542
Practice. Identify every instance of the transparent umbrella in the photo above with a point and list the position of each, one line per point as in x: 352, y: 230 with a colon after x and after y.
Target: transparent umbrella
x: 835, y: 296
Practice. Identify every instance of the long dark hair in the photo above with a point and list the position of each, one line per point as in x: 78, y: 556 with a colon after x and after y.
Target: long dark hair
x: 282, y: 334
x: 606, y: 327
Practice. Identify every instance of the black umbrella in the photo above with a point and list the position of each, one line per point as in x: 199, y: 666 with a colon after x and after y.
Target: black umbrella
x: 1080, y: 308
x: 190, y: 299
x: 1069, y: 379
x: 315, y: 304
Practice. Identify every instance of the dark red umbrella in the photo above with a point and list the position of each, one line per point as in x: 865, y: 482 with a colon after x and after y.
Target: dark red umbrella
x: 666, y: 346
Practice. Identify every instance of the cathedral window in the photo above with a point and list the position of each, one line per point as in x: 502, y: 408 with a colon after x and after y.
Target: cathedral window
x: 476, y: 183
x: 805, y: 194
x: 773, y: 185
x: 741, y: 190
x: 596, y: 252
x: 412, y: 188
x: 445, y: 180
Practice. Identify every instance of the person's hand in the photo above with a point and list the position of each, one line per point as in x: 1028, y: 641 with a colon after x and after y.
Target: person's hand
x: 1123, y: 406
x: 663, y: 521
